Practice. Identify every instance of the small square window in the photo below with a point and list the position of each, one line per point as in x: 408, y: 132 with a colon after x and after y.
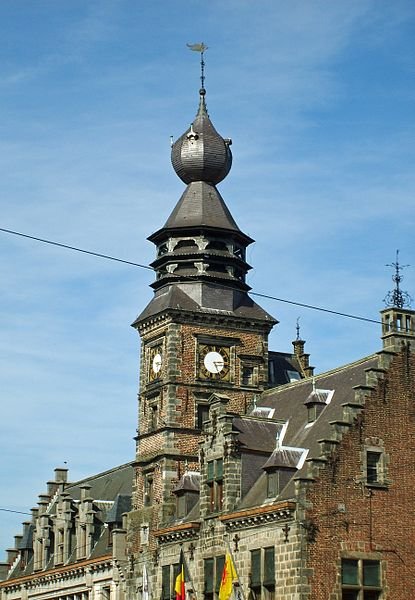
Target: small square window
x: 361, y: 579
x: 247, y: 375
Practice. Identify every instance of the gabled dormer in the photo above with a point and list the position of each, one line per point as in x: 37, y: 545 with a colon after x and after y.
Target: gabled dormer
x: 187, y: 493
x: 283, y: 463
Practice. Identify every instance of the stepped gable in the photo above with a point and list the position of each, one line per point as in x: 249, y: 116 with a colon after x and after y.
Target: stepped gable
x: 288, y: 402
x: 109, y: 492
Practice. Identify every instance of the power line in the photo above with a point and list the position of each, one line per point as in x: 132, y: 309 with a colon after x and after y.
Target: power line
x: 134, y: 264
x: 18, y: 512
x: 312, y: 307
x: 52, y: 243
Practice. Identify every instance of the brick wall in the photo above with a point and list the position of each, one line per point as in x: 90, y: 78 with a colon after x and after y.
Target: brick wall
x: 370, y: 522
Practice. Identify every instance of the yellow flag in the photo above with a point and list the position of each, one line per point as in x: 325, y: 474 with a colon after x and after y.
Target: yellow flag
x: 228, y: 577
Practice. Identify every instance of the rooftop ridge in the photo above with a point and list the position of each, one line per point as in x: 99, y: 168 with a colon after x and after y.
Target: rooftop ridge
x: 307, y: 380
x: 98, y: 475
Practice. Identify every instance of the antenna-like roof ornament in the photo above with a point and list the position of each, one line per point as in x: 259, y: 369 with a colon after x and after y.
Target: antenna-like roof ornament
x: 200, y: 47
x: 297, y: 327
x: 397, y: 298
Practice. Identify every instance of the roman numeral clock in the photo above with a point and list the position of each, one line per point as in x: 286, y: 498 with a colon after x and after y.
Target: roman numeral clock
x: 214, y: 362
x: 155, y: 362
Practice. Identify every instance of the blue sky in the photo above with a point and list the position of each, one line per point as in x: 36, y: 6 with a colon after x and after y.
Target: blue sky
x: 318, y: 98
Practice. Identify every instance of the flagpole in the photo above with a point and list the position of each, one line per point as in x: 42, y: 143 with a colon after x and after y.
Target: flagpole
x: 191, y: 581
x: 240, y: 587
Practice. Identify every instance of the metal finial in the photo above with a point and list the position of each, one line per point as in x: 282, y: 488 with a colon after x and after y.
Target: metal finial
x: 200, y: 47
x: 297, y: 327
x: 397, y: 298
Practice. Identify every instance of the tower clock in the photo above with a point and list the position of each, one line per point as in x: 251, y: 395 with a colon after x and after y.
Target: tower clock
x: 214, y: 362
x: 155, y: 362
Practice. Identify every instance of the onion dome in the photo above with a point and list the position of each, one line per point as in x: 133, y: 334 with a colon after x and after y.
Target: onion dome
x: 201, y: 154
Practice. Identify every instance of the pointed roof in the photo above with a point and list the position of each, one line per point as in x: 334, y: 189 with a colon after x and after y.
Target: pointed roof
x: 201, y: 205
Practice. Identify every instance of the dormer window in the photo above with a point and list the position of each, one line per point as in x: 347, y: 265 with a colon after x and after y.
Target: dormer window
x: 187, y: 493
x: 273, y: 488
x: 316, y: 402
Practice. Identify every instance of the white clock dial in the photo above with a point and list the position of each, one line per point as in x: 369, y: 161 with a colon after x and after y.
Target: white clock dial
x: 214, y: 362
x: 157, y: 363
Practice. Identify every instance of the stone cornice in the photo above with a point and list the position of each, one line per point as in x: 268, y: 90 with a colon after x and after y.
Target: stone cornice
x: 60, y: 572
x: 260, y: 515
x: 184, y: 531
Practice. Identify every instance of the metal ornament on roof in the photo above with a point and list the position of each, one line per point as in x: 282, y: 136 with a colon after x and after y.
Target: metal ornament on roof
x: 200, y: 47
x: 201, y: 154
x: 397, y: 298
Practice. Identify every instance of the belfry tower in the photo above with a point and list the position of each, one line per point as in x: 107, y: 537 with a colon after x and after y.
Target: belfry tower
x: 200, y: 334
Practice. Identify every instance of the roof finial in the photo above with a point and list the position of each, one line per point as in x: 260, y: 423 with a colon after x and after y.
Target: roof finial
x: 397, y: 298
x: 298, y: 328
x: 200, y: 47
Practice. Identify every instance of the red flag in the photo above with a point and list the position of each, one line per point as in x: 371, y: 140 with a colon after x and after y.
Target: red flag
x: 179, y: 586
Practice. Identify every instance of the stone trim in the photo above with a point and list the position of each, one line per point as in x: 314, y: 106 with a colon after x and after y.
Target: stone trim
x: 258, y: 516
x: 177, y: 532
x: 60, y: 572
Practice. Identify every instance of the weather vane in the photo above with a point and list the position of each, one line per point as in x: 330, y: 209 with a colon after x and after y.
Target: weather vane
x: 397, y: 298
x: 200, y: 47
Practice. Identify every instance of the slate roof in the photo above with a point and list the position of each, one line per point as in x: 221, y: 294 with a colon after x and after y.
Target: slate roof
x: 288, y: 404
x: 204, y: 298
x: 287, y: 439
x: 257, y: 434
x: 201, y: 206
x: 111, y: 493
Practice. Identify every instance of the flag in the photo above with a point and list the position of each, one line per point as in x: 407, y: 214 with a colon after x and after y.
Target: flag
x: 145, y: 595
x: 197, y: 47
x: 179, y: 586
x: 228, y: 577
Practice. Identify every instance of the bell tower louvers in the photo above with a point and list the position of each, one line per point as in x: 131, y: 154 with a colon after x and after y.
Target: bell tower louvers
x: 200, y: 334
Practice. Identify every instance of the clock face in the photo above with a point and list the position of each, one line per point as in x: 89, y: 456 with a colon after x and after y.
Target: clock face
x: 214, y: 362
x: 155, y: 362
x: 156, y: 366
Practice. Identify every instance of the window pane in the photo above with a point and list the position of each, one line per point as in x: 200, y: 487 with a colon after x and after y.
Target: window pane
x: 372, y: 466
x: 371, y: 573
x: 350, y: 595
x: 165, y: 582
x: 372, y: 595
x: 255, y: 567
x: 202, y: 415
x: 220, y: 562
x: 272, y: 484
x: 208, y: 568
x: 269, y: 566
x: 350, y: 572
x: 219, y: 495
x: 210, y: 470
x: 219, y: 469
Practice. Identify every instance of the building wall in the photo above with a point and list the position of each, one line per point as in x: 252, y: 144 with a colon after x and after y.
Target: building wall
x: 373, y: 522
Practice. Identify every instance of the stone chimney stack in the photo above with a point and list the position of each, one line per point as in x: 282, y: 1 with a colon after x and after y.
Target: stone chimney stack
x: 303, y: 358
